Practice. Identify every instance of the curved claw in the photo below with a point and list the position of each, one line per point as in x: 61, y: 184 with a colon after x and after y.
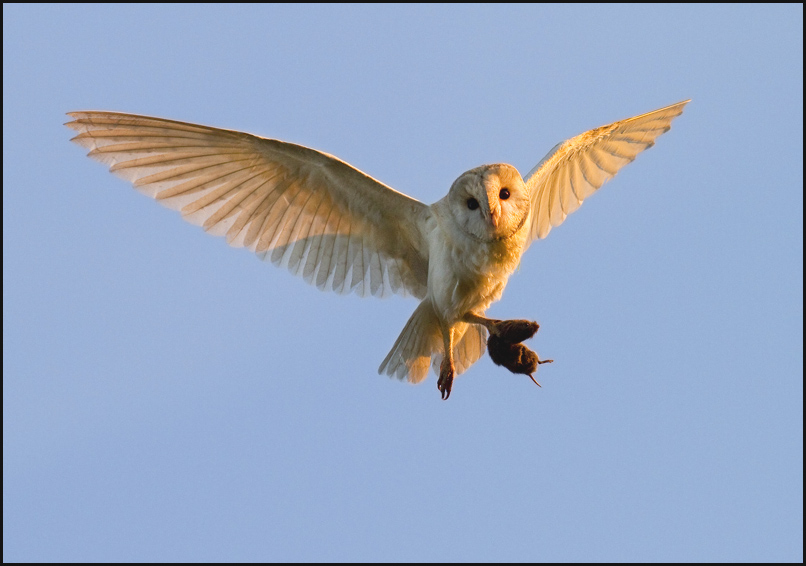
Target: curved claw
x: 445, y: 382
x: 533, y: 379
x: 444, y: 387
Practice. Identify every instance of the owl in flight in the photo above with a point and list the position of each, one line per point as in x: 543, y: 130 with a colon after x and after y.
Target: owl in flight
x: 342, y: 230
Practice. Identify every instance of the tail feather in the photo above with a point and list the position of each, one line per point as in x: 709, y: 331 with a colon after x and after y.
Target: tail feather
x: 410, y: 357
x: 470, y: 348
x: 420, y: 346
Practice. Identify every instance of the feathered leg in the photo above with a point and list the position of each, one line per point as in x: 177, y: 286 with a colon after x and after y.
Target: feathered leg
x: 446, y: 369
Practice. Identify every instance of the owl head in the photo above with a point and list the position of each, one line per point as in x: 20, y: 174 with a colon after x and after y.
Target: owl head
x: 490, y: 202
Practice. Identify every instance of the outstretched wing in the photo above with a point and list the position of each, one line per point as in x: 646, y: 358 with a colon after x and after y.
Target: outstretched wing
x: 574, y: 169
x: 310, y: 212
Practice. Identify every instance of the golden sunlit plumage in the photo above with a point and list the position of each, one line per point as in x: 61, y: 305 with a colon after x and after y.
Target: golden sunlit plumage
x: 344, y: 231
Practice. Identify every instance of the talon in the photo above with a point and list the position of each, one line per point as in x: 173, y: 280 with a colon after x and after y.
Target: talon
x: 445, y: 383
x: 445, y: 390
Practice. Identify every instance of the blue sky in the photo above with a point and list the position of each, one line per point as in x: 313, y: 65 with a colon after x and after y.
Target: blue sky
x: 166, y: 397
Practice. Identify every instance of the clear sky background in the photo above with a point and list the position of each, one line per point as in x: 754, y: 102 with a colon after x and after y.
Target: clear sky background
x: 166, y: 397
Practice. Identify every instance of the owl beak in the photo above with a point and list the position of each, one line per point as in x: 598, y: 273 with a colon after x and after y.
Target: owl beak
x: 495, y: 217
x: 495, y: 209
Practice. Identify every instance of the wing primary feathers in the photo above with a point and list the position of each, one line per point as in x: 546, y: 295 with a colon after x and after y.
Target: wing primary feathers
x: 308, y: 211
x: 582, y: 164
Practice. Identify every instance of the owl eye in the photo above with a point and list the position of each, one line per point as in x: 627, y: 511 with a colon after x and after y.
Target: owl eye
x: 504, y: 194
x: 472, y: 204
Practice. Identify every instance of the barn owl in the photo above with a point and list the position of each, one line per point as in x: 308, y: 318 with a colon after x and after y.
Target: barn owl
x: 344, y: 231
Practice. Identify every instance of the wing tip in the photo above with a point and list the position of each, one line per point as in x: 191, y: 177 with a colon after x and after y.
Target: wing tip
x: 680, y: 104
x: 677, y: 107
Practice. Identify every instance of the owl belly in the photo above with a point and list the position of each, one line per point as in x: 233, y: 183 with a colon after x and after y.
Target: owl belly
x: 465, y: 278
